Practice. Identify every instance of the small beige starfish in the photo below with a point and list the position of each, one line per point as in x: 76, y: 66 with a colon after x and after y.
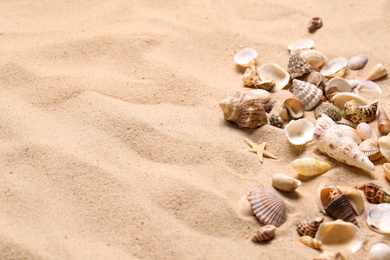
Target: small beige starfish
x: 259, y: 150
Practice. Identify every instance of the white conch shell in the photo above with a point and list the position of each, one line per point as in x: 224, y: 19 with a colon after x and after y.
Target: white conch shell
x: 357, y: 62
x: 384, y: 146
x: 340, y: 235
x: 377, y: 72
x: 245, y: 57
x: 301, y: 45
x: 314, y: 58
x: 380, y: 251
x: 307, y: 93
x: 386, y: 170
x: 378, y: 218
x: 365, y: 131
x: 337, y: 85
x: 284, y: 182
x: 334, y: 68
x: 341, y: 98
x: 331, y: 140
x: 271, y: 71
x: 299, y: 132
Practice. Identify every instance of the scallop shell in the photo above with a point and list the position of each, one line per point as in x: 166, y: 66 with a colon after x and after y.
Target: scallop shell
x: 307, y: 93
x: 311, y: 242
x: 276, y: 121
x: 377, y: 72
x: 314, y: 24
x: 378, y: 218
x: 274, y: 72
x: 355, y: 197
x: 267, y: 85
x: 299, y: 132
x: 268, y: 208
x: 357, y: 62
x: 357, y: 113
x: 251, y: 76
x: 340, y: 99
x: 336, y: 85
x: 371, y: 148
x: 340, y: 208
x: 297, y: 66
x: 384, y: 146
x: 328, y: 109
x: 265, y: 233
x: 309, y: 166
x: 380, y: 251
x: 365, y: 131
x: 340, y: 235
x: 301, y: 45
x: 374, y: 193
x: 245, y: 57
x: 309, y: 226
x: 386, y: 170
x: 334, y: 68
x: 284, y: 182
x: 292, y: 108
x: 383, y: 121
x: 331, y: 140
x: 314, y: 58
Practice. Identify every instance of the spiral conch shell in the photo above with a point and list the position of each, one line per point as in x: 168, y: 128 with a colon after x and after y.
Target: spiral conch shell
x: 383, y: 121
x: 374, y: 193
x: 307, y: 93
x: 309, y: 226
x: 265, y: 233
x: 331, y: 140
x: 357, y: 113
x: 297, y: 66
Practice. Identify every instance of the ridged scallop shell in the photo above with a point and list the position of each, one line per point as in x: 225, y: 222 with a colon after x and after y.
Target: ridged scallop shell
x: 328, y: 109
x: 377, y: 72
x: 301, y: 45
x: 245, y: 57
x: 334, y: 68
x: 380, y: 251
x: 307, y: 93
x: 340, y: 235
x: 309, y: 166
x: 309, y: 226
x: 374, y: 193
x: 383, y: 121
x: 341, y: 98
x: 297, y: 66
x: 267, y: 85
x: 284, y: 182
x: 292, y: 108
x: 276, y: 121
x: 314, y: 24
x: 340, y: 208
x: 269, y: 208
x: 384, y: 146
x: 371, y: 148
x: 336, y: 85
x: 365, y: 131
x: 274, y: 72
x: 311, y: 242
x: 378, y: 218
x: 314, y: 58
x: 265, y: 233
x: 357, y: 113
x: 357, y: 62
x: 251, y: 76
x: 299, y: 132
x: 386, y: 170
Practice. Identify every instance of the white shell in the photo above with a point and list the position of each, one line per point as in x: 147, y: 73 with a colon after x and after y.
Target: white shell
x: 351, y: 133
x: 337, y: 85
x: 340, y: 235
x: 314, y: 58
x: 384, y: 146
x: 334, y: 68
x: 341, y: 98
x: 365, y: 131
x: 299, y: 132
x: 307, y: 93
x: 301, y: 45
x: 380, y: 251
x: 386, y: 170
x: 245, y: 57
x: 377, y: 72
x: 356, y: 198
x: 368, y: 90
x: 357, y: 62
x: 378, y: 218
x: 271, y: 71
x: 284, y: 182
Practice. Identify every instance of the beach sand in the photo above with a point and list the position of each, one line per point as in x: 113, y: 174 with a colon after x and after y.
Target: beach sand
x: 113, y: 144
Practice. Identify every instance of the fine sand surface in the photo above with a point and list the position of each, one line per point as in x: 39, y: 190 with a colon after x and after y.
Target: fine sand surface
x: 113, y: 145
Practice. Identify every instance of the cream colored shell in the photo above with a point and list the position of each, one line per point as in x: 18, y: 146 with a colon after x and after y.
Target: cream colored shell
x: 245, y: 57
x: 314, y: 58
x: 285, y: 183
x: 380, y: 251
x: 274, y: 72
x: 334, y: 68
x: 299, y: 132
x: 309, y: 166
x: 307, y: 93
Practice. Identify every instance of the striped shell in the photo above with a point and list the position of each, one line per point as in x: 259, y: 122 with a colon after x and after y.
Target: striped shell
x: 268, y: 208
x: 340, y: 208
x: 307, y: 93
x: 357, y: 113
x: 309, y: 226
x: 310, y: 166
x: 328, y: 109
x: 265, y: 233
x: 371, y: 148
x: 374, y: 193
x: 311, y: 242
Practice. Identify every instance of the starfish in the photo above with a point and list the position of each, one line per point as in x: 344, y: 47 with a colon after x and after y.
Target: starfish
x: 260, y: 150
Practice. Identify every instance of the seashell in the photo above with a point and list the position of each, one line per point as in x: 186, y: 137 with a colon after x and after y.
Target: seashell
x: 329, y: 255
x: 340, y: 208
x: 245, y: 57
x: 299, y: 132
x: 265, y: 233
x: 336, y: 85
x: 301, y: 45
x: 378, y: 218
x: 267, y: 85
x: 377, y: 72
x: 334, y: 68
x: 368, y: 89
x: 260, y: 94
x: 297, y: 66
x: 324, y: 195
x: 284, y: 182
x: 274, y: 72
x: 380, y: 251
x: 251, y: 76
x: 374, y: 193
x: 276, y: 121
x: 365, y: 131
x: 311, y: 242
x: 340, y: 235
x: 383, y: 121
x: 268, y: 208
x: 384, y: 146
x: 331, y: 140
x: 340, y: 99
x: 269, y: 105
x: 292, y: 108
x: 244, y: 207
x: 370, y: 148
x: 309, y: 226
x: 357, y: 113
x: 357, y: 62
x: 328, y: 109
x: 316, y: 79
x: 386, y: 169
x: 309, y: 166
x: 314, y: 58
x: 351, y: 133
x: 314, y: 24
x: 355, y: 197
x: 307, y: 93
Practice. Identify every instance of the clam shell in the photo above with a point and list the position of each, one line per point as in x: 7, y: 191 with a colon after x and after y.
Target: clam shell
x: 297, y: 66
x: 328, y: 109
x: 340, y: 99
x: 244, y: 207
x: 337, y: 85
x: 357, y: 113
x: 309, y: 166
x: 374, y: 193
x: 268, y: 208
x: 299, y: 132
x: 371, y: 148
x: 340, y: 235
x: 314, y: 24
x: 380, y: 251
x: 334, y: 68
x: 292, y: 108
x: 377, y: 72
x: 365, y: 131
x: 307, y: 93
x: 341, y: 208
x: 384, y: 146
x: 314, y: 58
x: 284, y: 182
x: 301, y: 45
x: 386, y: 170
x: 276, y: 121
x: 311, y: 242
x: 378, y: 218
x: 251, y: 76
x: 357, y: 62
x: 245, y: 57
x: 274, y: 72
x: 265, y: 233
x: 309, y: 226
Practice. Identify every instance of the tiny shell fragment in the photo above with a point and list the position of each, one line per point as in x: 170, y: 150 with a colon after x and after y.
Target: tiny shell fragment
x: 314, y: 24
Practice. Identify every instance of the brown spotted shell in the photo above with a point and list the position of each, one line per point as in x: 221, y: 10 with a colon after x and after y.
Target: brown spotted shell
x: 311, y: 242
x: 265, y: 233
x: 297, y: 66
x: 314, y: 24
x: 309, y: 226
x: 358, y: 113
x: 251, y: 76
x: 267, y: 85
x: 328, y: 109
x: 374, y: 193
